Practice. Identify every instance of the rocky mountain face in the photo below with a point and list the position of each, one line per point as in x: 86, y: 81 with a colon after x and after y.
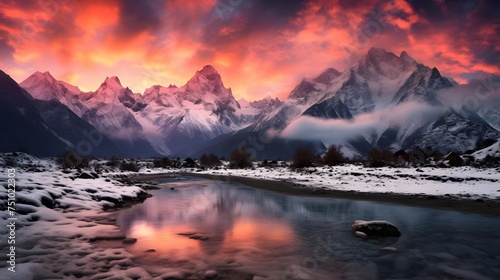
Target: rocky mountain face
x: 20, y: 121
x: 382, y: 81
x: 164, y: 120
x: 203, y: 115
x: 45, y: 127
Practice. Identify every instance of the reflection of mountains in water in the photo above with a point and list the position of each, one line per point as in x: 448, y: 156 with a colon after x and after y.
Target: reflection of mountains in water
x: 219, y: 205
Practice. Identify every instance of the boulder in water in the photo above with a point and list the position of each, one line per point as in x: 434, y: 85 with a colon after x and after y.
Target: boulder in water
x: 377, y: 228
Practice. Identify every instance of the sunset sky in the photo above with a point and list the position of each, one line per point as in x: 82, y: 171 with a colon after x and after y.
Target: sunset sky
x: 260, y: 47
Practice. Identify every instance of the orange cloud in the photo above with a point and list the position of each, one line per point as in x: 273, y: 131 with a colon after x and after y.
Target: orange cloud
x: 260, y: 49
x: 93, y: 18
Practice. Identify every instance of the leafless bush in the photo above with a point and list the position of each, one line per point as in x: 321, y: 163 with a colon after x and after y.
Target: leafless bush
x: 333, y: 156
x: 162, y: 162
x: 129, y: 166
x: 71, y: 159
x: 210, y: 160
x: 380, y: 157
x: 304, y: 157
x: 113, y: 162
x: 10, y: 161
x: 240, y: 158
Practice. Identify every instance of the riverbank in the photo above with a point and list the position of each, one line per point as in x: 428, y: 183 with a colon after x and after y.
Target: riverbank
x: 483, y: 205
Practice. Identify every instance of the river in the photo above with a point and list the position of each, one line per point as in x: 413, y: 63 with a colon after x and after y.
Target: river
x: 192, y: 225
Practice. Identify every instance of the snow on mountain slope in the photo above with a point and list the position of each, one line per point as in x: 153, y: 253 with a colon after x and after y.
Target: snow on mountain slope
x: 22, y: 127
x: 382, y: 81
x: 452, y: 132
x: 182, y: 119
x: 493, y: 150
x: 74, y: 130
x: 108, y: 110
x: 43, y: 86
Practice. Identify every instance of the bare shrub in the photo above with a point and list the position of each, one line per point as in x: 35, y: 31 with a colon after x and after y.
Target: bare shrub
x: 380, y: 157
x: 240, y: 158
x: 71, y: 159
x: 333, y: 156
x: 129, y: 166
x: 113, y: 162
x: 304, y: 157
x: 162, y: 162
x: 210, y: 160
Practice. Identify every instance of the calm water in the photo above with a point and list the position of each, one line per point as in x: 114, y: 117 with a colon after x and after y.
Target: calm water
x: 287, y: 237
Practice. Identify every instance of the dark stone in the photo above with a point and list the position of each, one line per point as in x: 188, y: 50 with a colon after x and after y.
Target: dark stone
x: 107, y: 238
x: 376, y: 228
x: 85, y: 175
x: 129, y: 240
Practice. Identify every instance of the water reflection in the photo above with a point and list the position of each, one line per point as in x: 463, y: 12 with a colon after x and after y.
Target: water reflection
x: 287, y: 237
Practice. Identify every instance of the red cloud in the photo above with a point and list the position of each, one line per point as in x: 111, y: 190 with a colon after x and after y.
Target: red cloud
x: 259, y: 49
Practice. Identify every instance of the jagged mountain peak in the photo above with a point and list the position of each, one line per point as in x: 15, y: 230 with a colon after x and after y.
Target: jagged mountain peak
x: 206, y: 81
x: 39, y: 77
x: 207, y: 69
x: 266, y: 103
x: 327, y: 76
x: 207, y: 74
x: 378, y: 52
x: 379, y: 62
x: 45, y: 74
x: 112, y: 81
x: 435, y: 73
x: 111, y: 92
x: 407, y: 58
x: 303, y: 89
x: 44, y: 86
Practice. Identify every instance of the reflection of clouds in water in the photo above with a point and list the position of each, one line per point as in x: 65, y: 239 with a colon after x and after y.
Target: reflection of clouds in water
x: 267, y: 232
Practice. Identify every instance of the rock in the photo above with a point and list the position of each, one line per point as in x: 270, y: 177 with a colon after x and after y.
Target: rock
x: 106, y: 238
x: 150, y: 251
x: 389, y: 249
x: 194, y: 235
x: 85, y: 175
x: 360, y: 234
x: 209, y: 274
x: 376, y: 228
x: 199, y: 237
x: 129, y: 240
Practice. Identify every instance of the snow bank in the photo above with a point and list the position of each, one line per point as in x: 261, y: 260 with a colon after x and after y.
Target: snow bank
x: 493, y: 150
x: 57, y: 214
x: 465, y: 181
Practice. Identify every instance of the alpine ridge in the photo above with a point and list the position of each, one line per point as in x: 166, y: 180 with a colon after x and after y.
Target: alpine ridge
x: 203, y: 115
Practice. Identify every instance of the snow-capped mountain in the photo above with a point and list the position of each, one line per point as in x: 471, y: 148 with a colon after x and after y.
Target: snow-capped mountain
x: 45, y: 127
x: 43, y: 86
x: 492, y: 151
x: 181, y: 119
x: 164, y: 120
x: 76, y: 132
x: 106, y: 109
x: 20, y: 121
x: 203, y: 115
x: 381, y: 81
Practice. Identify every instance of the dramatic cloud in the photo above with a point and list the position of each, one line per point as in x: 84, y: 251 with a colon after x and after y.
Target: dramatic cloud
x: 334, y: 131
x: 260, y: 47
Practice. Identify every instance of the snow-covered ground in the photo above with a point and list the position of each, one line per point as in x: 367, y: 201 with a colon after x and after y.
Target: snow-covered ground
x: 55, y: 216
x: 458, y: 181
x: 58, y: 213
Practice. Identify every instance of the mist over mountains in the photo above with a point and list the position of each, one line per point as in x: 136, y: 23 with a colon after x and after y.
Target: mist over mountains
x: 384, y: 100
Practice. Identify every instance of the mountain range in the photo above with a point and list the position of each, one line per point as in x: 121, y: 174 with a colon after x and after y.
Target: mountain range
x: 384, y: 100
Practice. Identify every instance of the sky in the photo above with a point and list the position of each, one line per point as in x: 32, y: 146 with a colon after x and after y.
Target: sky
x: 260, y: 47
